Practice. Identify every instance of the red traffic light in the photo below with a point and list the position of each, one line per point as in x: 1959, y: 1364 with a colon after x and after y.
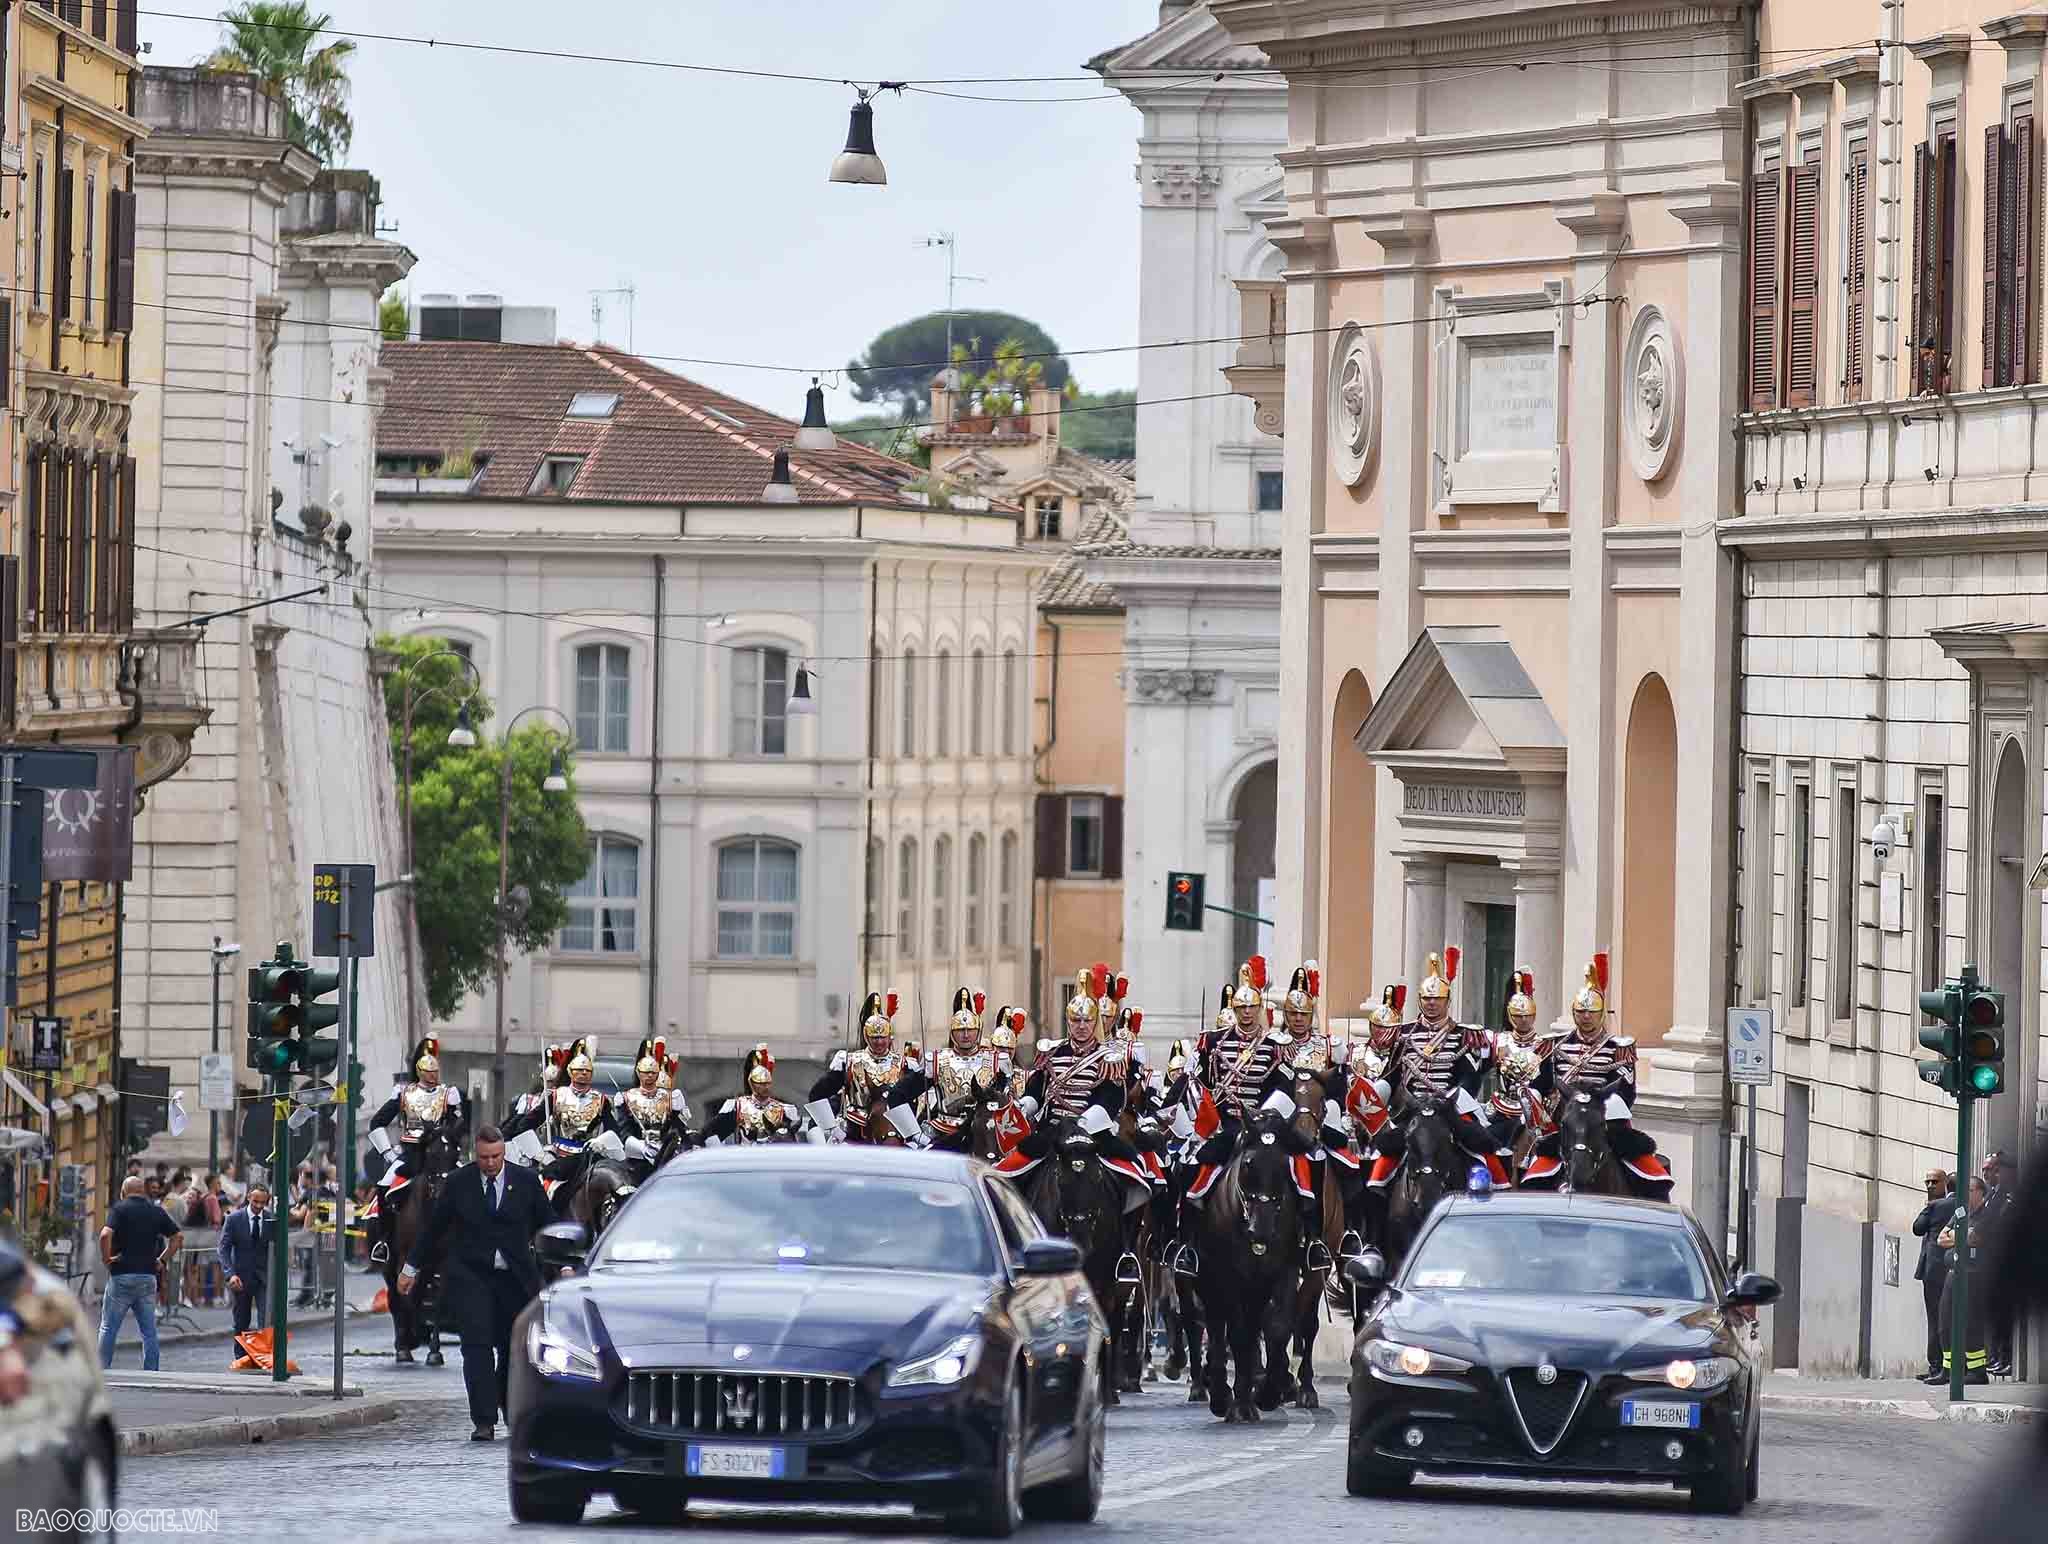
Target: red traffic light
x: 1987, y: 1010
x: 1183, y: 885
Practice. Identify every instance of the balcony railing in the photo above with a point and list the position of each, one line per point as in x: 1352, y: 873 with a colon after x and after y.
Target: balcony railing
x: 164, y: 675
x: 1258, y: 369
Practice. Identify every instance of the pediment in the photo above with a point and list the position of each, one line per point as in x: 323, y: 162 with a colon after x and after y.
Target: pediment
x: 1193, y: 40
x: 1461, y: 699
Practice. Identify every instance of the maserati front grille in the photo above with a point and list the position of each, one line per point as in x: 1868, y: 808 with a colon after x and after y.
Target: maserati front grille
x: 726, y: 1404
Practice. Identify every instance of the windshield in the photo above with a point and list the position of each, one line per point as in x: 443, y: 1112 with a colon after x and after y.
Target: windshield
x: 1570, y: 1256
x: 780, y: 1218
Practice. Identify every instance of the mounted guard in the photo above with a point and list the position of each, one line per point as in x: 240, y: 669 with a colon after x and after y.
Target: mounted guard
x: 421, y: 1108
x: 1593, y: 1057
x: 653, y: 1113
x: 755, y: 1114
x: 1441, y: 1062
x: 576, y: 1112
x: 961, y: 1068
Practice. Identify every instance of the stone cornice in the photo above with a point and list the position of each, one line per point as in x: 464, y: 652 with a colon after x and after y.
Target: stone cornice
x: 1829, y: 72
x: 227, y: 157
x: 1540, y: 136
x: 1872, y: 534
x: 53, y: 93
x: 1942, y: 46
x: 2026, y: 27
x: 379, y: 264
x: 1312, y: 33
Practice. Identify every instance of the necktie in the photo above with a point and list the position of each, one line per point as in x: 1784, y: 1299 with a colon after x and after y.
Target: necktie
x: 496, y: 1186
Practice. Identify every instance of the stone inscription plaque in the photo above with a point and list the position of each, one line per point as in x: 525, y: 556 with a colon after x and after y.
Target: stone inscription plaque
x: 1510, y: 396
x: 1460, y: 799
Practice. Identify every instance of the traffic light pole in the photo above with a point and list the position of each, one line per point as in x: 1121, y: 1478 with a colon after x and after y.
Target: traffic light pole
x: 345, y: 1126
x: 1959, y: 1314
x: 281, y: 1243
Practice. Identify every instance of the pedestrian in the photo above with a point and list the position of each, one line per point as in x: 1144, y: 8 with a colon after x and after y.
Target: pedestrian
x: 484, y: 1220
x: 1932, y: 1271
x: 214, y: 1202
x: 1976, y: 1359
x: 233, y: 1187
x: 245, y: 1243
x: 137, y: 1239
x: 1999, y: 1173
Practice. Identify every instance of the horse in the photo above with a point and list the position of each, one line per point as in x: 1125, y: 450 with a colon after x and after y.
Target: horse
x: 1589, y: 1162
x: 1077, y: 1197
x: 1431, y: 1161
x: 989, y: 1122
x: 414, y: 1315
x: 1250, y: 1236
x: 1311, y: 1096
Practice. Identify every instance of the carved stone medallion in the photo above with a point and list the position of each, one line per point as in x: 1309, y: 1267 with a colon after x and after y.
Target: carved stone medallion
x: 1354, y: 405
x: 1653, y: 392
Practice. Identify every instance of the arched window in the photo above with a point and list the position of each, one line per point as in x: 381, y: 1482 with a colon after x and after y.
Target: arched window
x: 1009, y: 702
x: 603, y: 698
x: 942, y: 709
x: 942, y: 887
x: 977, y: 880
x: 909, y: 700
x: 977, y: 704
x: 1006, y: 894
x: 873, y: 923
x: 604, y: 905
x: 906, y: 898
x: 760, y: 700
x: 757, y: 900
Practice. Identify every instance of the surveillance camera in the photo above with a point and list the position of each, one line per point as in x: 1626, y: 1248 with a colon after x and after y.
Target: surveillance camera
x: 1883, y: 838
x: 330, y: 442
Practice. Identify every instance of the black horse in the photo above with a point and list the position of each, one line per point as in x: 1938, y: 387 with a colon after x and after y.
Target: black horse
x: 1432, y: 1162
x: 1250, y: 1244
x: 415, y: 1315
x: 1590, y: 1164
x: 1076, y: 1196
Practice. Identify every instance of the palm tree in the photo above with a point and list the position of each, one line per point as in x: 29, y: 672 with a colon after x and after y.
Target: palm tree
x: 273, y: 40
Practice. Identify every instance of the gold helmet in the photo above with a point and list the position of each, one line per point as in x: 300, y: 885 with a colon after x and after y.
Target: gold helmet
x: 653, y: 1055
x: 1090, y: 987
x: 1387, y: 1013
x: 758, y: 1069
x: 1592, y: 997
x: 583, y: 1055
x: 1223, y: 1018
x: 553, y: 1064
x: 1521, y: 995
x: 1178, y: 1057
x: 1251, y: 984
x: 1304, y: 989
x: 1009, y: 1024
x: 1438, y: 972
x: 876, y: 1012
x: 426, y: 1056
x: 967, y: 1009
x: 1109, y: 998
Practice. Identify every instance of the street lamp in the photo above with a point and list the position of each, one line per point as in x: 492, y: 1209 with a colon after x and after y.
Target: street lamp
x: 222, y: 953
x: 461, y: 737
x: 556, y: 781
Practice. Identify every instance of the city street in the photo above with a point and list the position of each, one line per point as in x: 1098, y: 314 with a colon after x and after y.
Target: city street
x: 1173, y: 1471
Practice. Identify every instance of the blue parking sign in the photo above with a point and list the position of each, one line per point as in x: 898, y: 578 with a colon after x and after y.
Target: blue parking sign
x: 1749, y: 1045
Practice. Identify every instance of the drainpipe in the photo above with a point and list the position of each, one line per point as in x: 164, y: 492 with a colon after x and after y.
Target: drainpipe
x: 871, y: 883
x: 1038, y: 757
x: 654, y: 812
x: 1881, y: 682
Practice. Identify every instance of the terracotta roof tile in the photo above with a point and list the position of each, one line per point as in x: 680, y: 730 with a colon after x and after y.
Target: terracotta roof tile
x: 1065, y: 586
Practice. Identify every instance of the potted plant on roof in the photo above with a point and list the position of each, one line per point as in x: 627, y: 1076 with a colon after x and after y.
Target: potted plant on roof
x: 968, y: 416
x: 1007, y: 388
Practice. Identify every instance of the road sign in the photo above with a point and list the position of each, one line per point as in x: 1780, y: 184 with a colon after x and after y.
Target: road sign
x: 362, y: 906
x: 1749, y: 1045
x: 46, y: 1045
x: 216, y: 1081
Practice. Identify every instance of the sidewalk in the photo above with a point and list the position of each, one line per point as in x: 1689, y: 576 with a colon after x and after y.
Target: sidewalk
x: 2001, y: 1402
x: 183, y: 1415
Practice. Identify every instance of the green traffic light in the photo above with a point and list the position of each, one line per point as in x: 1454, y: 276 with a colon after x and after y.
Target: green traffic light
x: 1987, y: 1080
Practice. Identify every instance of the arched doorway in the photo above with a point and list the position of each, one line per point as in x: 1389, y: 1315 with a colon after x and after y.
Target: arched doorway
x: 1347, y: 948
x: 1254, y: 809
x: 1649, y: 863
x: 2005, y: 939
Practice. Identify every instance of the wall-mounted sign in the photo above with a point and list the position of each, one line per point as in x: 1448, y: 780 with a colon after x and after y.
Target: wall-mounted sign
x: 1464, y: 799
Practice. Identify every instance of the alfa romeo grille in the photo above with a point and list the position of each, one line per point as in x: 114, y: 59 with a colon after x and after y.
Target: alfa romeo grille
x: 739, y: 1404
x: 1545, y: 1410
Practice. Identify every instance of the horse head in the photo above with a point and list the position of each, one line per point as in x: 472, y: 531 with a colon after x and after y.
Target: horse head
x: 985, y: 1121
x: 1264, y: 1174
x: 1085, y: 1202
x: 1432, y: 1149
x: 1582, y: 1134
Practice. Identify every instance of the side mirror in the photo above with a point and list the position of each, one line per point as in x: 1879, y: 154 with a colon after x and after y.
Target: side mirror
x: 1049, y: 1257
x: 562, y: 1244
x: 1366, y: 1270
x: 1754, y: 1290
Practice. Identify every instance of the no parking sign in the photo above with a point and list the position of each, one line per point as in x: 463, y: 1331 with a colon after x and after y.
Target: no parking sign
x: 1749, y: 1045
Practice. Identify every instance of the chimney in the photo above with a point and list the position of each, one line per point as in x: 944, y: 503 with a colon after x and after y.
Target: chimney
x: 943, y: 386
x: 1046, y: 406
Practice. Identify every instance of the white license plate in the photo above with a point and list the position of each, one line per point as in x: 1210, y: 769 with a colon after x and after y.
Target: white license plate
x: 1665, y: 1414
x: 738, y: 1463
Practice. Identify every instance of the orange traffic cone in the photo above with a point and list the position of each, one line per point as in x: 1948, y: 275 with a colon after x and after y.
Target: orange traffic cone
x: 257, y: 1355
x: 381, y: 1303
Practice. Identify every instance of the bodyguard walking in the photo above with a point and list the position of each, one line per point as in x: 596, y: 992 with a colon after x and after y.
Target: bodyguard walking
x: 485, y: 1220
x: 138, y: 1238
x: 245, y: 1244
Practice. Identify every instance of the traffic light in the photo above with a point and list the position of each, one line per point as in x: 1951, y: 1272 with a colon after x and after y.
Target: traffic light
x: 1984, y: 1042
x: 1184, y: 903
x: 273, y: 1012
x: 316, y: 1058
x: 1945, y: 1038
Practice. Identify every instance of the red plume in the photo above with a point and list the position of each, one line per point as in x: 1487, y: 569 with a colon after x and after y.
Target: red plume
x: 1315, y: 983
x: 660, y: 1048
x: 559, y: 1055
x: 1098, y: 980
x: 673, y: 1063
x: 1600, y: 973
x: 980, y: 1002
x: 1452, y: 954
x: 889, y: 1011
x: 1017, y: 1022
x: 1137, y: 1018
x: 1400, y: 998
x: 1258, y: 967
x: 1123, y: 985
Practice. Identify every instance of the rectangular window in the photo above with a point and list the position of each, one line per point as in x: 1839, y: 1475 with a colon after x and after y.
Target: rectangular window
x: 1766, y: 206
x: 909, y: 701
x: 942, y: 897
x: 89, y: 249
x: 1842, y: 895
x: 1084, y: 837
x: 1856, y: 272
x: 36, y: 241
x: 977, y: 877
x: 1802, y: 285
x: 1006, y: 892
x: 873, y: 913
x: 1799, y: 903
x: 1933, y: 879
x: 757, y: 896
x: 760, y: 700
x: 604, y: 904
x: 557, y: 475
x: 1757, y: 929
x: 1272, y: 491
x: 2011, y: 205
x: 942, y: 707
x: 1008, y: 706
x: 977, y: 703
x: 603, y: 698
x: 1934, y: 264
x: 906, y: 899
x: 1048, y: 518
x: 60, y: 266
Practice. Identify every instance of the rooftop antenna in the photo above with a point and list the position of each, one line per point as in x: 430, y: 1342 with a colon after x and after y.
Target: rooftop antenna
x: 597, y: 300
x: 954, y: 278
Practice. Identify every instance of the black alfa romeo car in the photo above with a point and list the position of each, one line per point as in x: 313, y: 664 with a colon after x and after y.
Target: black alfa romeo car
x: 812, y: 1323
x: 1543, y: 1336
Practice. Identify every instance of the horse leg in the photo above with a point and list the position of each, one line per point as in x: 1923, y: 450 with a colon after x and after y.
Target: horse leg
x: 1245, y: 1325
x: 1306, y: 1310
x: 1275, y: 1331
x: 1220, y: 1329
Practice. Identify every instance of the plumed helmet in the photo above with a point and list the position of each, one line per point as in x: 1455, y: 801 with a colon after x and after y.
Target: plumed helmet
x: 1223, y: 1018
x: 1387, y: 1015
x: 877, y: 1011
x: 583, y: 1055
x: 1438, y: 972
x: 426, y: 1056
x: 1179, y: 1055
x: 648, y: 1058
x: 1305, y: 988
x: 1251, y: 983
x: 1009, y: 1025
x: 1521, y: 994
x: 1592, y: 997
x: 758, y: 1069
x: 967, y: 1009
x: 1088, y: 992
x: 1109, y: 999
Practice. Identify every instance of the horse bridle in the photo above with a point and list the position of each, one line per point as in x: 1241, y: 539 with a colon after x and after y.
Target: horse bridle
x: 1582, y: 1096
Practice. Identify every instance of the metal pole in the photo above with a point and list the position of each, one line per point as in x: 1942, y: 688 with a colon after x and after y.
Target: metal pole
x: 213, y: 1116
x: 412, y: 1028
x: 8, y: 763
x: 504, y: 837
x: 1749, y: 1167
x: 281, y: 1243
x: 1959, y: 1315
x: 1232, y: 911
x: 344, y: 1054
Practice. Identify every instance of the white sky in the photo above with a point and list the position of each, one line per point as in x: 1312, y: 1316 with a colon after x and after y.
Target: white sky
x: 541, y: 179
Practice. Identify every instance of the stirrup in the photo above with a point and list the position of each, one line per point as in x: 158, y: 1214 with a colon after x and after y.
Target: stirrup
x: 1350, y: 1244
x: 1187, y: 1262
x: 1127, y: 1273
x: 380, y: 1253
x: 1318, y: 1254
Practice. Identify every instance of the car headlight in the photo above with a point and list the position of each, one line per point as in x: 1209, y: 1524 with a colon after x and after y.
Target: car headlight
x: 1695, y: 1375
x: 947, y: 1365
x: 1399, y: 1361
x: 557, y: 1344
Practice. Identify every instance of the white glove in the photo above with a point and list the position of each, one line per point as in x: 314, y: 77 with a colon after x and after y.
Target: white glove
x: 1138, y: 1052
x: 838, y: 1062
x: 1029, y: 1106
x: 635, y: 1148
x: 381, y: 1140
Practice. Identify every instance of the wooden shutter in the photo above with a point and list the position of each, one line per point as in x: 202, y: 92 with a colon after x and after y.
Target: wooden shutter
x: 61, y: 305
x: 124, y: 549
x: 1113, y: 837
x: 10, y: 641
x: 1998, y: 256
x: 99, y: 19
x: 1856, y: 251
x: 6, y: 348
x: 1926, y: 272
x: 124, y: 25
x: 78, y: 589
x: 32, y: 535
x: 1802, y: 288
x: 121, y: 261
x: 1050, y: 837
x: 2024, y: 198
x: 57, y: 470
x: 1766, y: 197
x: 106, y: 555
x: 1948, y: 187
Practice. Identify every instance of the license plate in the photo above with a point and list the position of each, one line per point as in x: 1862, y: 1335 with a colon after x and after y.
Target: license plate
x: 1665, y: 1414
x: 738, y: 1463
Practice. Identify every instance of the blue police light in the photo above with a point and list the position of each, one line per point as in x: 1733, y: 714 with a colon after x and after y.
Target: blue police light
x: 1479, y: 1181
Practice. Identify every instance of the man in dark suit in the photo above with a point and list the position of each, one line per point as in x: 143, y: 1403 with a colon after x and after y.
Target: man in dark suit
x: 246, y: 1240
x: 1932, y: 1271
x: 1999, y: 1173
x: 485, y: 1220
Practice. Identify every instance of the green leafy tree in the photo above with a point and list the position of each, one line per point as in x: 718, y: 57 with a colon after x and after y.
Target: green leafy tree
x: 279, y: 41
x: 1102, y: 424
x: 455, y: 826
x: 394, y: 317
x: 898, y: 366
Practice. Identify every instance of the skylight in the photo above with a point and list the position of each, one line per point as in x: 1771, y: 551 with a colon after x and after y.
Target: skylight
x: 593, y: 404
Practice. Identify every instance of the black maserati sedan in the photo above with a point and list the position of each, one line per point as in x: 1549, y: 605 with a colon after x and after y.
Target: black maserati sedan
x: 808, y: 1324
x: 1556, y: 1336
